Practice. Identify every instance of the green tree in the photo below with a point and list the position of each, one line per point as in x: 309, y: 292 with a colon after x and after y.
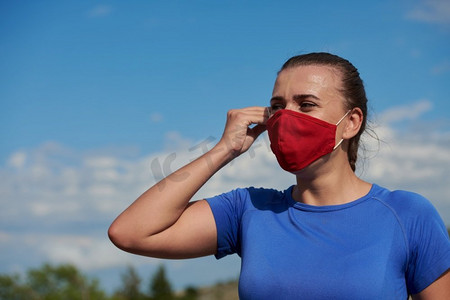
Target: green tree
x: 190, y: 293
x: 50, y: 282
x: 160, y: 287
x: 130, y: 288
x: 62, y: 282
x: 12, y: 288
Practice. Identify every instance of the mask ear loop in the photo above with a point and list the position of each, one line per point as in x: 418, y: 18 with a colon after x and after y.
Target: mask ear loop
x: 340, y: 142
x: 337, y: 145
x: 343, y: 117
x: 269, y: 113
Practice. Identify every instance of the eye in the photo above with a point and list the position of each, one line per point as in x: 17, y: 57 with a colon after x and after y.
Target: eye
x: 307, y: 105
x: 275, y: 107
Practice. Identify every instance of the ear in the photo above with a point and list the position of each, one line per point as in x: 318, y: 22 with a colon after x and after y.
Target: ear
x: 353, y: 124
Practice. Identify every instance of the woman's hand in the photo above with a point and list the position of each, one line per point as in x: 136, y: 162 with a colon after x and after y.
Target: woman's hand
x: 238, y: 135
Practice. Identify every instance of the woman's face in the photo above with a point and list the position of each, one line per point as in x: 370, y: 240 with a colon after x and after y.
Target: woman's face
x: 313, y: 90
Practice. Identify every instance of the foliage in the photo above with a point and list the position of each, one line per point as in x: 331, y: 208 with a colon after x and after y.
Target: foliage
x: 50, y: 283
x: 130, y: 288
x: 190, y: 293
x: 160, y: 288
x: 65, y: 281
x: 10, y: 288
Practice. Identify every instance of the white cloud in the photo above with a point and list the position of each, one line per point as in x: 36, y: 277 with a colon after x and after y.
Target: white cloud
x: 173, y: 141
x: 86, y: 252
x: 431, y: 11
x: 4, y: 237
x: 441, y: 68
x: 101, y: 162
x: 99, y: 11
x: 156, y: 117
x: 407, y: 112
x: 17, y: 160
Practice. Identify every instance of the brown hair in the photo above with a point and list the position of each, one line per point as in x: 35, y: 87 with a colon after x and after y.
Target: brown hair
x: 352, y: 89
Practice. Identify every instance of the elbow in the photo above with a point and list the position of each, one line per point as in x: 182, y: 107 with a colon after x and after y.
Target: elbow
x: 127, y: 240
x: 119, y: 237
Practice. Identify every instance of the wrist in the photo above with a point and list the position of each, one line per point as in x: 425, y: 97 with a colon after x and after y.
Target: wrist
x: 222, y: 154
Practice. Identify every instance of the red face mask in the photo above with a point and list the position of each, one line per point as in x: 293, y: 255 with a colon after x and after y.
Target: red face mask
x: 298, y: 139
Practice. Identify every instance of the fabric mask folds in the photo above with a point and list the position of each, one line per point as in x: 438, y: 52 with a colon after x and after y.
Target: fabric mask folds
x: 298, y: 139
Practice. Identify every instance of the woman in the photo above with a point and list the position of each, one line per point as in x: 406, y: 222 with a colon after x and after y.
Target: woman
x: 332, y: 235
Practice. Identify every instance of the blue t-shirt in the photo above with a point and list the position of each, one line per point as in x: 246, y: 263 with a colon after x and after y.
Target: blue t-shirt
x: 384, y: 245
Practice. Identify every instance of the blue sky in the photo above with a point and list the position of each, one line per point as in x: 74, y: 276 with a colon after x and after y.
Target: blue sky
x: 96, y: 95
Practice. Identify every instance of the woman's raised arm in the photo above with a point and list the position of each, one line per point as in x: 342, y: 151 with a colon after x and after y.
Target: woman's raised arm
x: 162, y: 222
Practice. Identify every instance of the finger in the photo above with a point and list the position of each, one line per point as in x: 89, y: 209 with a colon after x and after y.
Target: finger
x: 257, y: 130
x: 254, y: 108
x: 256, y: 115
x: 264, y: 110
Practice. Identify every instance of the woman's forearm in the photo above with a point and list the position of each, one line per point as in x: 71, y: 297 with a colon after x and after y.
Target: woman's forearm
x: 161, y: 205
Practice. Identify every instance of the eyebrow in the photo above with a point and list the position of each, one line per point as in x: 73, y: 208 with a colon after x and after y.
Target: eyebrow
x: 298, y: 97
x: 277, y: 98
x: 305, y: 96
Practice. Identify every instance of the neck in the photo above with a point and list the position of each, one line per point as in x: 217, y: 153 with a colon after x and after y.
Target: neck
x: 337, y: 185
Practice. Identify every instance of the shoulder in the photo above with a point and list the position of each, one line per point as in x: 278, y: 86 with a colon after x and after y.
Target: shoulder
x: 416, y: 214
x: 426, y: 237
x: 405, y: 203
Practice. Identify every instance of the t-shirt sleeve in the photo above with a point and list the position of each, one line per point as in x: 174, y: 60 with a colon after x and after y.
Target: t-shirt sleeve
x: 429, y: 245
x: 227, y: 209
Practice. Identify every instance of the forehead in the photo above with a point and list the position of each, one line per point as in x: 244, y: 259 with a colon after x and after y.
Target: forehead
x: 313, y: 79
